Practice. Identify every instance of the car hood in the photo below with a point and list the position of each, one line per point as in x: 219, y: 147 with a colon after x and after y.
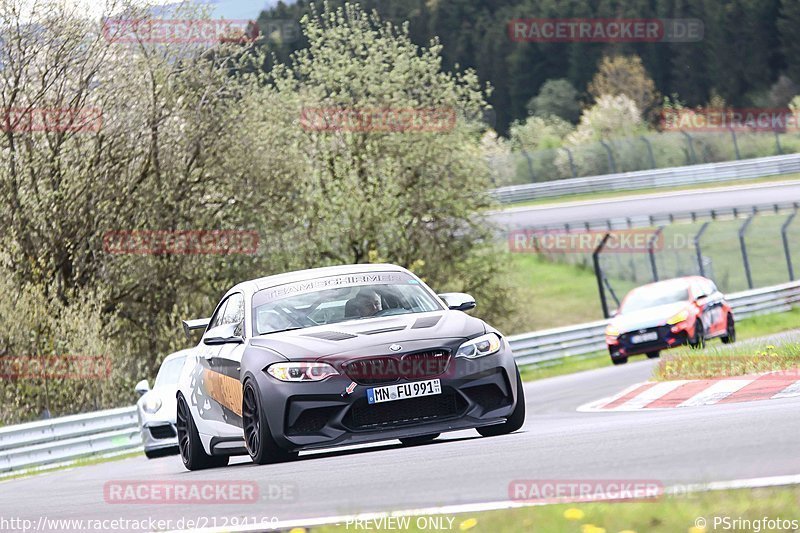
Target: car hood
x: 648, y: 318
x: 374, y: 335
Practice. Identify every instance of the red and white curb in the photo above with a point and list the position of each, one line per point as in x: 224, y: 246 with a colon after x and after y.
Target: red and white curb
x: 694, y: 393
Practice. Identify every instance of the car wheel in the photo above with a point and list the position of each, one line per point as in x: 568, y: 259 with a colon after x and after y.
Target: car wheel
x: 698, y: 341
x: 422, y: 439
x: 619, y: 360
x: 730, y: 332
x: 653, y: 355
x: 257, y: 437
x: 193, y: 455
x: 515, y: 421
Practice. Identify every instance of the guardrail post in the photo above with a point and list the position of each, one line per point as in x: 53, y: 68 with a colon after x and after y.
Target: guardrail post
x: 693, y: 159
x: 743, y: 245
x: 650, y: 152
x: 611, y: 165
x: 697, y: 248
x: 599, y: 274
x: 786, y: 249
x: 571, y: 162
x: 735, y: 144
x: 651, y: 253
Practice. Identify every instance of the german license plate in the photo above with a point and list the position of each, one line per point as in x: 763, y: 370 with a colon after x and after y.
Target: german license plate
x: 644, y: 337
x: 403, y: 391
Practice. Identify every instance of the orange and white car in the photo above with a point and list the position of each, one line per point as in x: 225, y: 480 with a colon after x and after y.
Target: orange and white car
x: 666, y: 314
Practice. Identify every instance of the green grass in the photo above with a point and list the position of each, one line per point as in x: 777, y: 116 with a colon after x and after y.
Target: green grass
x: 650, y: 190
x: 669, y: 514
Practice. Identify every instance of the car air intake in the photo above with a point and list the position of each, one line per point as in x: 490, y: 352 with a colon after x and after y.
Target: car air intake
x: 162, y: 432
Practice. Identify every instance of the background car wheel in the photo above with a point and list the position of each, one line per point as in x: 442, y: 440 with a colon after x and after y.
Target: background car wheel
x: 730, y: 332
x: 193, y: 455
x: 698, y: 341
x: 515, y: 421
x: 619, y: 360
x: 257, y: 437
x: 653, y: 355
x: 422, y: 439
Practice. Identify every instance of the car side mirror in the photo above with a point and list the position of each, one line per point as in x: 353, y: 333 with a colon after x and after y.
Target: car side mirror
x: 142, y: 387
x: 224, y: 334
x: 458, y: 301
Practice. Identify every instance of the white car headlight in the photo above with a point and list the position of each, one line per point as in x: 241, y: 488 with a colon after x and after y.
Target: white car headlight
x: 480, y: 346
x: 151, y: 404
x: 301, y: 371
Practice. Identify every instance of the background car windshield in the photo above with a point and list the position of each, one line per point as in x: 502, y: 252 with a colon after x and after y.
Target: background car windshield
x: 170, y: 372
x: 337, y: 305
x: 645, y: 297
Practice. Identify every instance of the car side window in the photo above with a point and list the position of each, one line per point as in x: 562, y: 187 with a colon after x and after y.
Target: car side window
x: 216, y: 320
x: 234, y: 312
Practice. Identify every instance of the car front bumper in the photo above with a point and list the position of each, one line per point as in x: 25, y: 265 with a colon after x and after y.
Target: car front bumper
x: 474, y: 393
x: 665, y: 340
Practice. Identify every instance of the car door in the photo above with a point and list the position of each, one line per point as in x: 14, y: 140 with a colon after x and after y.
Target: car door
x: 218, y: 390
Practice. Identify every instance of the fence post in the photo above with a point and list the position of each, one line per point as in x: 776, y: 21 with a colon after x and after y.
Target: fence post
x: 745, y: 259
x: 786, y: 249
x: 778, y: 143
x: 697, y: 248
x: 650, y: 252
x: 599, y: 274
x: 611, y: 165
x: 735, y: 145
x: 693, y: 159
x: 650, y: 152
x: 530, y: 165
x: 571, y: 162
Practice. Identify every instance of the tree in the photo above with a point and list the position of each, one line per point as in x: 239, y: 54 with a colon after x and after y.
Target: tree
x: 556, y: 98
x: 787, y: 24
x: 625, y: 75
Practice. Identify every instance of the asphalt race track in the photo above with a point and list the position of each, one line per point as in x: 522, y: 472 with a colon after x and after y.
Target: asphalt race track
x: 647, y: 204
x: 688, y: 445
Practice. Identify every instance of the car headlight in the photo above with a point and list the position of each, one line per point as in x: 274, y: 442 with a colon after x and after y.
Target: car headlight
x: 301, y: 371
x: 151, y: 404
x: 680, y: 317
x: 480, y: 346
x: 612, y: 331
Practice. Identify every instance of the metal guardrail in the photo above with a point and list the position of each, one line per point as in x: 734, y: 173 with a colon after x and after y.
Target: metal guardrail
x: 72, y: 437
x: 68, y: 438
x: 645, y: 179
x: 542, y: 346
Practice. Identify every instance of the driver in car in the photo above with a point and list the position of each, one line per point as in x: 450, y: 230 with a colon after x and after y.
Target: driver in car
x: 367, y: 303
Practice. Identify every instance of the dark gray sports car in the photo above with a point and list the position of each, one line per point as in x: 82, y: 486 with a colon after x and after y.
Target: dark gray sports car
x: 340, y: 355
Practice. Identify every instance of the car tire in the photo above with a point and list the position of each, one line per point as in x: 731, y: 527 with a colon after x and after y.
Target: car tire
x: 193, y: 455
x: 257, y: 436
x: 653, y: 355
x: 730, y: 332
x: 422, y: 439
x: 619, y: 360
x: 698, y: 341
x: 513, y: 422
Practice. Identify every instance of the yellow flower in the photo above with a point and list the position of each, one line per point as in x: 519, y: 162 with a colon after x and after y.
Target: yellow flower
x: 627, y: 531
x: 469, y: 523
x: 573, y: 514
x: 695, y: 529
x: 591, y: 528
x: 298, y: 530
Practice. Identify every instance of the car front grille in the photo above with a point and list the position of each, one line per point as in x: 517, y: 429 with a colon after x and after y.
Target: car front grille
x: 162, y: 432
x: 362, y: 415
x: 663, y: 332
x: 390, y: 369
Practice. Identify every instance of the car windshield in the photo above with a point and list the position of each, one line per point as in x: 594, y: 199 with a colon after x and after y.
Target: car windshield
x: 353, y: 297
x: 170, y: 372
x: 653, y: 296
